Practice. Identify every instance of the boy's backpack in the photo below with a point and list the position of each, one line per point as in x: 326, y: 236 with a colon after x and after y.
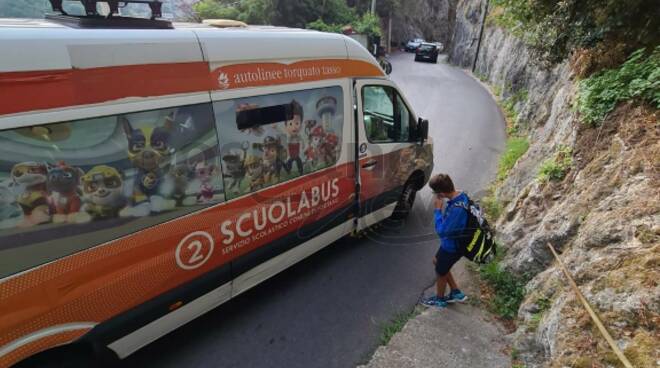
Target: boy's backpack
x: 476, y: 242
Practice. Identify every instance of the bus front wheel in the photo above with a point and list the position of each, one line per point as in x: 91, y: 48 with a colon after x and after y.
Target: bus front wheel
x: 405, y: 203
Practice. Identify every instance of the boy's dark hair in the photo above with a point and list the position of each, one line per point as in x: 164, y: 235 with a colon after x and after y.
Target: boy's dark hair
x: 296, y: 109
x: 441, y: 183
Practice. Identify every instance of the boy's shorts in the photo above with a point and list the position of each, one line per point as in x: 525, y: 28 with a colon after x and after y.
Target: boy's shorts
x: 444, y: 261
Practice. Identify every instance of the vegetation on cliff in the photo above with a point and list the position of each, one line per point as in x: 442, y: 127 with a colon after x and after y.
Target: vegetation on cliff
x: 611, y: 30
x: 638, y: 77
x: 325, y: 15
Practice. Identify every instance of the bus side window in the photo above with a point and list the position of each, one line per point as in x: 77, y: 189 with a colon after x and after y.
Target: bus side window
x: 269, y: 139
x: 378, y: 112
x: 387, y: 119
x: 68, y: 186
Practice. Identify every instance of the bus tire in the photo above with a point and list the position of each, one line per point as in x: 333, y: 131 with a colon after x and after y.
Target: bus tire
x: 405, y: 203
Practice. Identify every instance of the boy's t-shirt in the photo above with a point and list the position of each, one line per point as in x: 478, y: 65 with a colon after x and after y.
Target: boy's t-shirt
x: 450, y: 224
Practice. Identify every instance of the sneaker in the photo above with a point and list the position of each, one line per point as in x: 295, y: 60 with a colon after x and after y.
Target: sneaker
x: 435, y: 301
x: 456, y: 296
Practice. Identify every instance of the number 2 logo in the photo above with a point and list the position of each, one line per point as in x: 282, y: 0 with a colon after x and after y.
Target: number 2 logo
x: 194, y: 250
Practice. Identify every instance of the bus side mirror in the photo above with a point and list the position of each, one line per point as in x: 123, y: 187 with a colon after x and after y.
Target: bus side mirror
x: 422, y: 130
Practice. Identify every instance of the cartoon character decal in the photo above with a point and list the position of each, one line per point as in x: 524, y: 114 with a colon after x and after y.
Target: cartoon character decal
x: 315, y: 135
x: 125, y: 166
x: 177, y: 183
x: 64, y: 193
x: 278, y: 136
x: 234, y: 169
x: 294, y: 141
x: 102, y: 192
x: 148, y: 151
x: 272, y: 159
x: 120, y: 172
x: 10, y: 213
x: 329, y: 149
x: 254, y: 166
x: 31, y: 177
x: 204, y: 173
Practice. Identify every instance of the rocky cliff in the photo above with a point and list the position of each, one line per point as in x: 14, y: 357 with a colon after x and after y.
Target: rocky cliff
x: 467, y: 25
x: 432, y: 20
x: 604, y: 216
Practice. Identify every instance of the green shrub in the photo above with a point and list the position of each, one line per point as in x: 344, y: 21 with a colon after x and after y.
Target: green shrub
x: 638, y: 77
x: 492, y: 207
x: 556, y: 167
x: 368, y: 24
x: 555, y: 28
x: 515, y: 148
x: 510, y: 111
x: 320, y: 25
x: 395, y: 325
x: 509, y: 289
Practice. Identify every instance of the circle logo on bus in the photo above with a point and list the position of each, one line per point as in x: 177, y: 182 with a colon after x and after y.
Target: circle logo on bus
x: 194, y: 250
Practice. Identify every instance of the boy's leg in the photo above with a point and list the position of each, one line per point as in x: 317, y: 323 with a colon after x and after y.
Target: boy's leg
x: 441, y: 285
x: 451, y: 281
x: 455, y: 295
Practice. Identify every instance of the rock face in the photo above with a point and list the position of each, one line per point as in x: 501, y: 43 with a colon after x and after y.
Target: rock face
x: 429, y: 19
x: 603, y: 217
x: 463, y: 46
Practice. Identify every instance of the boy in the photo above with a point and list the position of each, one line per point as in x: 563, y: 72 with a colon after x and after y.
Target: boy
x: 450, y: 221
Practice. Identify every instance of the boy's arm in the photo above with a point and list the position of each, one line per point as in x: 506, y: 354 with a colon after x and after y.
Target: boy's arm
x: 437, y: 213
x: 453, y: 223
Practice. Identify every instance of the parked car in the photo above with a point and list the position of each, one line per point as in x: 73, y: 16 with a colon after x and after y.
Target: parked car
x: 413, y: 44
x: 427, y: 51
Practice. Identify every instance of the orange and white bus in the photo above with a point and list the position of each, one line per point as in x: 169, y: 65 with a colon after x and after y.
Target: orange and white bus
x: 150, y: 175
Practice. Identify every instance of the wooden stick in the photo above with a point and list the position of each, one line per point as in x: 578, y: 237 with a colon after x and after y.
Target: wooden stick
x: 591, y: 312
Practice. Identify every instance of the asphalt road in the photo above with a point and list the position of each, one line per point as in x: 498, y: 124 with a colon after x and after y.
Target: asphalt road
x: 328, y: 311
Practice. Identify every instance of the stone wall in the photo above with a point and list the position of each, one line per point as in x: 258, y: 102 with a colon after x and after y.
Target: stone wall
x: 463, y: 45
x: 604, y: 216
x: 432, y: 20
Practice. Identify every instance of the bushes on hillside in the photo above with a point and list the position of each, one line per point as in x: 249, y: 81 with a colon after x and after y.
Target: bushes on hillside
x: 638, y: 77
x: 555, y: 28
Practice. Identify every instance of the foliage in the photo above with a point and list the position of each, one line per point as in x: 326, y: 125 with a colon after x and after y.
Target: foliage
x: 249, y: 11
x: 390, y: 328
x: 211, y: 9
x: 368, y: 24
x: 492, y: 207
x: 554, y: 28
x: 515, y: 148
x: 638, y: 77
x: 543, y: 304
x: 322, y: 26
x: 556, y: 167
x: 290, y: 13
x: 509, y: 289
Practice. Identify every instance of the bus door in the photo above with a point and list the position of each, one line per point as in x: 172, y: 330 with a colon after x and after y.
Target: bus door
x: 384, y: 139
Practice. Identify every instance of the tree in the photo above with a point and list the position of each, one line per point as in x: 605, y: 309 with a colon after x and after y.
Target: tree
x: 212, y: 9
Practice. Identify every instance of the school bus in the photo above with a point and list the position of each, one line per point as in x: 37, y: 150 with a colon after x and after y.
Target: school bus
x: 150, y: 175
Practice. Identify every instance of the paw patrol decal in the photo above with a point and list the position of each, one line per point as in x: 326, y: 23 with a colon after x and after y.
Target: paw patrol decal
x: 276, y: 148
x: 116, y: 173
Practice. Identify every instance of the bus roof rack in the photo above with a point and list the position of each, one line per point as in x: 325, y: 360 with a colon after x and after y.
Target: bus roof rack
x: 93, y: 19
